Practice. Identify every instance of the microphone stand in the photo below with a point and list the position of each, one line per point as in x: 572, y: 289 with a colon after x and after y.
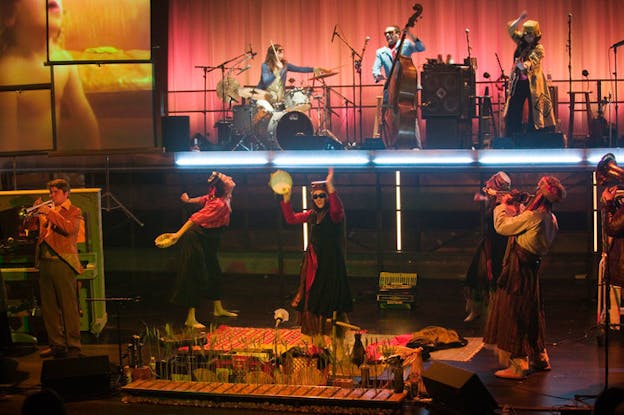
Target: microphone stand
x: 569, y: 47
x: 222, y: 67
x: 347, y: 103
x: 617, y: 118
x: 356, y: 58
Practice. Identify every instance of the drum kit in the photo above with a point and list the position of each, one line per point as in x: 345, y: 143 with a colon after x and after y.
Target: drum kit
x: 265, y: 126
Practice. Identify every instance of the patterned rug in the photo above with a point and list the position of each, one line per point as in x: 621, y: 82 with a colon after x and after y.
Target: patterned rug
x: 228, y: 338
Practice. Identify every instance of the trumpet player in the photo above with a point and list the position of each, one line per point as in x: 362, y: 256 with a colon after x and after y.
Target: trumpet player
x: 515, y: 326
x: 57, y: 255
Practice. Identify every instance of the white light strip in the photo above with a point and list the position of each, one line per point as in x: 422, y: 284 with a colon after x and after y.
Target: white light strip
x: 399, y: 233
x: 544, y: 156
x: 304, y: 203
x: 318, y: 158
x: 221, y: 158
x: 422, y: 158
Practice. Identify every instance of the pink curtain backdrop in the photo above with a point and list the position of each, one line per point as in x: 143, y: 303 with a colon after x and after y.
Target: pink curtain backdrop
x: 209, y: 32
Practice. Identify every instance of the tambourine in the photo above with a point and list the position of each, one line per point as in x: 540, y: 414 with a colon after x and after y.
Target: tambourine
x: 280, y: 182
x: 165, y: 240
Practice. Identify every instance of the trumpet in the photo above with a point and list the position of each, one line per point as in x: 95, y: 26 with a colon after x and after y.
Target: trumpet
x: 27, y: 212
x: 517, y: 196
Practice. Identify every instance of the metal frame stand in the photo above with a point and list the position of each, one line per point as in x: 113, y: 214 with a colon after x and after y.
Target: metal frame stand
x: 108, y: 197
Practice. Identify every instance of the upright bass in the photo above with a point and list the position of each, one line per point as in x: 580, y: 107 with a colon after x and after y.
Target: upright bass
x: 400, y: 115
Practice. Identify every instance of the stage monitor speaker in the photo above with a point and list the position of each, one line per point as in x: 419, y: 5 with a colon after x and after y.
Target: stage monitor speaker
x: 446, y: 132
x: 457, y: 389
x: 448, y: 90
x: 373, y: 144
x: 176, y: 133
x: 309, y: 142
x: 539, y: 140
x: 77, y: 378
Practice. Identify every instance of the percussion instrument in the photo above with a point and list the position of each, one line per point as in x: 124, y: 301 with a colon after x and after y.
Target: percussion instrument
x: 281, y: 183
x: 253, y: 93
x: 227, y: 90
x: 164, y: 240
x: 297, y: 99
x: 289, y: 124
x: 243, y: 116
x: 323, y: 76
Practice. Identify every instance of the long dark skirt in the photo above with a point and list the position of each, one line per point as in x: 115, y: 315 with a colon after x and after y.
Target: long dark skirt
x: 516, y: 319
x: 199, y: 273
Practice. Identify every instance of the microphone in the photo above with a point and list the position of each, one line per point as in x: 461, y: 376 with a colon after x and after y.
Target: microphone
x: 366, y: 39
x: 334, y: 34
x: 251, y: 53
x: 467, y: 30
x: 241, y: 70
x: 617, y: 45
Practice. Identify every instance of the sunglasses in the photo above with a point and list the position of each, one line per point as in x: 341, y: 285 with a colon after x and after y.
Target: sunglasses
x: 319, y: 196
x: 390, y: 33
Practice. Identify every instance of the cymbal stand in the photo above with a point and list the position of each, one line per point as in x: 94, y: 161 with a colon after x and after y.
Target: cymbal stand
x: 108, y: 196
x: 356, y: 59
x: 207, y: 69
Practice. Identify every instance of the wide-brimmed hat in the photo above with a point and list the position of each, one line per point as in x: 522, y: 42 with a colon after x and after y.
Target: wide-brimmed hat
x: 531, y: 27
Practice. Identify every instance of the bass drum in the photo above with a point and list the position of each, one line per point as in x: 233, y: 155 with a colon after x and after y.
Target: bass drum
x: 286, y: 126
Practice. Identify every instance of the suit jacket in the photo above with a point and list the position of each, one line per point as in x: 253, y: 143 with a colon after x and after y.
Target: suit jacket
x: 60, y: 233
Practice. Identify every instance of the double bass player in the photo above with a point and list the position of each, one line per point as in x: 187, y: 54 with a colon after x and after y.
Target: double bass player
x: 400, y: 123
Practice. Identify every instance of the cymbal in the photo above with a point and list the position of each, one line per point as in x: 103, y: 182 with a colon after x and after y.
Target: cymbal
x: 323, y: 75
x: 252, y: 93
x: 227, y: 90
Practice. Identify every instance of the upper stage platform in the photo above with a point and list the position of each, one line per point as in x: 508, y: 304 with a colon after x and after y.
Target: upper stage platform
x: 560, y: 159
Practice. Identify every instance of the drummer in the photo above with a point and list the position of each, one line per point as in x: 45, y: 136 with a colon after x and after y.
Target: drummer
x: 274, y: 72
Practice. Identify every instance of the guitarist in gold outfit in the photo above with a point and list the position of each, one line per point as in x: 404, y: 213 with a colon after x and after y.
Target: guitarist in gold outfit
x: 528, y: 81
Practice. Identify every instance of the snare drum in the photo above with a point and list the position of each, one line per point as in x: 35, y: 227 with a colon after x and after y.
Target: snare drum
x: 297, y: 99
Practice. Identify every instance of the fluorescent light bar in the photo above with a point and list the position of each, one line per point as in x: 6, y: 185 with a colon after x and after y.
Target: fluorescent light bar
x: 542, y: 156
x: 221, y: 158
x: 321, y: 158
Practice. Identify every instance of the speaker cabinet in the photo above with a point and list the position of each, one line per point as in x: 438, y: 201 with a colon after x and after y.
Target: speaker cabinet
x: 447, y: 132
x: 448, y: 90
x: 309, y: 142
x: 176, y: 133
x: 77, y: 378
x: 458, y: 390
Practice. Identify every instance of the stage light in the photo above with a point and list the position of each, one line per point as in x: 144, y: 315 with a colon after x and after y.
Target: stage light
x: 546, y: 156
x: 309, y: 158
x: 429, y: 157
x: 221, y: 158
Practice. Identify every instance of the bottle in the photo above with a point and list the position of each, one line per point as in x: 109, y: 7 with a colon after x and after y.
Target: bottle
x: 358, y: 354
x: 152, y: 365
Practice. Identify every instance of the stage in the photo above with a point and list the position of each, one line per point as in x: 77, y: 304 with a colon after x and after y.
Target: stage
x: 577, y: 358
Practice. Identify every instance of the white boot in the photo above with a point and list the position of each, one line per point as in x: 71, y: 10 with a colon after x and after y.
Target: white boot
x: 192, y: 322
x: 219, y: 311
x: 473, y: 309
x: 517, y: 370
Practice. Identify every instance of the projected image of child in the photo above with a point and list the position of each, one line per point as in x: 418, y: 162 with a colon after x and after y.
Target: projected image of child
x: 25, y: 114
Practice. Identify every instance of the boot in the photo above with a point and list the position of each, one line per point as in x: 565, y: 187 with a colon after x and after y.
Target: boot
x: 541, y: 363
x: 219, y: 311
x: 191, y: 321
x: 472, y: 308
x: 517, y: 369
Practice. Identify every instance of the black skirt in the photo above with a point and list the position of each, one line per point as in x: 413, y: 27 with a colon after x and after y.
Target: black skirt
x: 199, y: 272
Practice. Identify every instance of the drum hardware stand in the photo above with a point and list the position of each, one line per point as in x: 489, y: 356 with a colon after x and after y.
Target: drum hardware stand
x: 116, y: 301
x: 486, y: 120
x: 222, y: 66
x: 108, y: 196
x: 356, y: 58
